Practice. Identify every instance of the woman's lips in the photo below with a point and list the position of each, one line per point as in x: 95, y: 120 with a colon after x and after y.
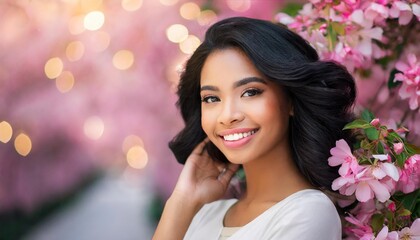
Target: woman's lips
x: 236, y: 138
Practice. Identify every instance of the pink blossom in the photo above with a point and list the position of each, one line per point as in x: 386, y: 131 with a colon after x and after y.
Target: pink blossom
x: 366, y: 182
x: 410, y: 78
x: 385, y: 235
x: 342, y: 155
x: 412, y: 232
x: 402, y: 11
x: 361, y: 230
x: 376, y: 12
x: 410, y: 175
x: 398, y: 147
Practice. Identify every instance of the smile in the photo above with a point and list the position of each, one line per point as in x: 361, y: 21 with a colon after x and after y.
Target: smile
x: 237, y: 136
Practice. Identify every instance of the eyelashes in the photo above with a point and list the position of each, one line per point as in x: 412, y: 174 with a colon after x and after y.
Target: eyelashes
x: 251, y: 92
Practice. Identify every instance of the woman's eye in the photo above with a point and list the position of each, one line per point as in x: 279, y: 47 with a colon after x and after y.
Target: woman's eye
x: 209, y: 99
x: 251, y: 92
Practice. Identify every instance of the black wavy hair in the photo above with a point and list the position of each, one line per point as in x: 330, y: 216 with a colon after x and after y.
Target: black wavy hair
x: 322, y: 92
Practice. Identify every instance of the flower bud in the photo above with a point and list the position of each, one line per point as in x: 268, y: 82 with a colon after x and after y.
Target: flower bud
x: 375, y: 122
x: 398, y: 147
x: 392, y: 207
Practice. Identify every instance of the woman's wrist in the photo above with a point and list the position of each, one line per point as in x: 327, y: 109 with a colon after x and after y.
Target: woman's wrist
x: 185, y: 202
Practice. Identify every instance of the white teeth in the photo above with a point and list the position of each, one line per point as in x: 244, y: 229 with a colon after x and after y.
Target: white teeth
x: 237, y: 136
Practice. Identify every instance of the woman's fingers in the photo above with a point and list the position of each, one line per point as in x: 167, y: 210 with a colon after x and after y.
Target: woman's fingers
x: 200, y: 148
x: 227, y: 173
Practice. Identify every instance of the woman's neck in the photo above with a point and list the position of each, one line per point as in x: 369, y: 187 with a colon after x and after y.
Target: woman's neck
x: 273, y: 177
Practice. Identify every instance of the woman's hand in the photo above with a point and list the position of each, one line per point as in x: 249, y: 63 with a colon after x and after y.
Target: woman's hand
x: 203, y: 179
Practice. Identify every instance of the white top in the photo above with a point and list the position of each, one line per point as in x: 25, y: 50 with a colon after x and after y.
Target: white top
x: 305, y: 215
x: 228, y: 232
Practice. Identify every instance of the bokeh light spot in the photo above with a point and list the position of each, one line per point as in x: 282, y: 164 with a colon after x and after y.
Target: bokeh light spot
x: 168, y: 2
x: 207, y: 17
x: 94, y: 20
x: 94, y: 127
x: 65, y: 81
x: 190, y: 11
x: 75, y: 50
x: 123, y: 59
x: 6, y: 132
x: 131, y: 5
x: 130, y: 141
x: 177, y: 33
x: 137, y: 157
x: 190, y: 44
x: 53, y: 67
x: 239, y: 5
x: 23, y: 144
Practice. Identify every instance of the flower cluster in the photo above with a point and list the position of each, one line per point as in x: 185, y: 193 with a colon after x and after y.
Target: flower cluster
x: 383, y: 174
x: 361, y: 34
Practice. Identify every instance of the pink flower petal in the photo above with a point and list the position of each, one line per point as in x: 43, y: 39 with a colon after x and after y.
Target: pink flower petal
x: 390, y: 170
x: 381, y: 192
x: 415, y: 228
x: 363, y: 192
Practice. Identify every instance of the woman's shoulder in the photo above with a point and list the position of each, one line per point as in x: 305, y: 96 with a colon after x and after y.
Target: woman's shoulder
x: 307, y: 214
x: 308, y: 201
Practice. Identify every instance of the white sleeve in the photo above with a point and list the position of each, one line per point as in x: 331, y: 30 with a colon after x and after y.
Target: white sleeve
x: 311, y: 219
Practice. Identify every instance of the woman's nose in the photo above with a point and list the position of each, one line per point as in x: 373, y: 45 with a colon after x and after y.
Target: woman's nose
x: 230, y: 113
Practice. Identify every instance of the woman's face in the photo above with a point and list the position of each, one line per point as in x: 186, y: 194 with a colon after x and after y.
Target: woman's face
x: 245, y: 115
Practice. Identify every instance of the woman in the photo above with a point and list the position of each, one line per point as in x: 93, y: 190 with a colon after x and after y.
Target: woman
x: 255, y: 94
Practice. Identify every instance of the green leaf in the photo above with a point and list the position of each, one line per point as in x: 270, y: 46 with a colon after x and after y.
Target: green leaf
x: 367, y: 115
x: 372, y: 133
x: 377, y: 222
x: 292, y: 9
x: 400, y: 159
x: 410, y: 201
x: 391, y: 83
x: 381, y: 149
x: 358, y: 123
x: 338, y: 28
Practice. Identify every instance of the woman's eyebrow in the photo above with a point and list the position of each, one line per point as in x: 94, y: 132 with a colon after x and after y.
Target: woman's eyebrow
x: 248, y: 80
x: 237, y: 84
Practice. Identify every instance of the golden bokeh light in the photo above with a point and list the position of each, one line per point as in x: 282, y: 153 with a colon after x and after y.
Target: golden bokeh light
x: 75, y: 51
x: 131, y: 5
x: 53, y: 67
x: 177, y: 33
x: 65, y: 81
x: 94, y: 127
x: 130, y: 141
x: 23, y: 144
x: 100, y: 41
x: 207, y: 17
x: 168, y: 2
x: 239, y: 6
x: 137, y: 157
x: 123, y: 59
x: 90, y: 5
x: 76, y: 25
x: 6, y: 132
x: 94, y: 20
x: 190, y: 11
x: 190, y: 44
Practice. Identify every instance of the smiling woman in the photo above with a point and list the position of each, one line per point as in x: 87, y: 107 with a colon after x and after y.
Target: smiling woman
x: 255, y: 94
